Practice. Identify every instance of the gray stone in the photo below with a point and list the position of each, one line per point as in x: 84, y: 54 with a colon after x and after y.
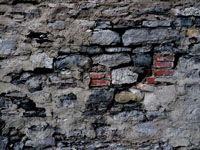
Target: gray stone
x: 73, y: 62
x: 157, y: 23
x: 68, y: 100
x: 183, y: 22
x: 124, y: 76
x: 35, y: 84
x: 142, y: 60
x: 112, y: 60
x: 129, y: 116
x: 103, y: 25
x: 7, y: 46
x: 3, y: 143
x: 57, y: 25
x: 195, y: 50
x: 163, y: 49
x: 118, y: 11
x: 191, y: 11
x: 117, y: 49
x: 41, y: 60
x: 105, y: 37
x: 142, y: 49
x: 143, y: 36
x: 99, y: 100
x: 91, y: 50
x: 146, y: 129
x: 151, y: 115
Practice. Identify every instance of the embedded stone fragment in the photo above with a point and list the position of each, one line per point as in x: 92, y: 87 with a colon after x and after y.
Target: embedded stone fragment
x: 41, y: 61
x: 124, y: 76
x: 141, y: 36
x: 105, y: 37
x: 73, y: 62
x: 112, y: 60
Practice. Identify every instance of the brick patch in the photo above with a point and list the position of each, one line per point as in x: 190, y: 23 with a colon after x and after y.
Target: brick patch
x: 163, y: 72
x: 163, y: 64
x: 100, y: 76
x: 99, y: 83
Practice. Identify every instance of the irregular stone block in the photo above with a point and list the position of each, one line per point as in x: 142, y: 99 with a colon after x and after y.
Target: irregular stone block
x: 142, y: 49
x: 118, y: 49
x: 183, y: 22
x: 105, y: 37
x: 103, y: 25
x: 112, y: 60
x: 7, y: 46
x: 157, y: 23
x: 118, y: 11
x: 73, y: 62
x: 142, y: 60
x: 124, y: 76
x: 142, y: 36
x: 91, y: 50
x: 99, y: 100
x: 191, y: 11
x: 41, y: 61
x: 125, y: 96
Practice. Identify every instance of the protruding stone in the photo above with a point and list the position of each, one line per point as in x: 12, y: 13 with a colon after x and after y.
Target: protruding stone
x: 41, y: 61
x: 124, y: 76
x: 105, y: 37
x: 112, y: 60
x: 141, y: 36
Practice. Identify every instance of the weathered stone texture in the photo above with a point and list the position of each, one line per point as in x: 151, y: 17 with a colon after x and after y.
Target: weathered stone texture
x: 99, y: 74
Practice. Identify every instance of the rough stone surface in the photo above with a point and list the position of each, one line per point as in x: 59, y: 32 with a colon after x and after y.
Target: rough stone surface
x: 105, y: 37
x: 124, y: 76
x: 78, y: 75
x: 141, y: 36
x: 112, y: 60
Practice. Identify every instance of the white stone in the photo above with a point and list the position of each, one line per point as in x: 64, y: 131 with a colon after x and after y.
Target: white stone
x: 124, y: 76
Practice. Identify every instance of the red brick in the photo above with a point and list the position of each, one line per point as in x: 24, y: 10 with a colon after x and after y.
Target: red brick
x: 163, y: 72
x: 95, y: 75
x: 100, y: 83
x: 163, y: 57
x: 163, y: 64
x: 150, y: 80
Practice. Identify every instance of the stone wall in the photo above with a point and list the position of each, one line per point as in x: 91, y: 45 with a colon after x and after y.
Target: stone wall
x: 99, y: 74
